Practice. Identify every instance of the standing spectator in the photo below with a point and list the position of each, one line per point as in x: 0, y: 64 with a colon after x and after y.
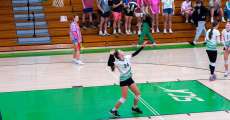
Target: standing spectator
x: 154, y: 6
x: 199, y: 17
x: 216, y: 10
x: 87, y: 11
x: 75, y: 35
x: 227, y: 10
x: 139, y: 13
x: 168, y: 11
x: 103, y: 6
x: 117, y: 15
x: 130, y: 6
x: 186, y: 9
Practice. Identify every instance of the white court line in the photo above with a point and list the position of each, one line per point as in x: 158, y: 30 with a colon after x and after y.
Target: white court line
x: 150, y: 108
x: 146, y: 104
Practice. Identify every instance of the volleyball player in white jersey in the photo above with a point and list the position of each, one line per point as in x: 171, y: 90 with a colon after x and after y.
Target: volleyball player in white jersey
x: 225, y: 38
x: 119, y: 60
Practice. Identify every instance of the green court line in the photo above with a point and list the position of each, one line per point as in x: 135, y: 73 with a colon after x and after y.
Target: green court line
x: 93, y: 103
x: 97, y: 50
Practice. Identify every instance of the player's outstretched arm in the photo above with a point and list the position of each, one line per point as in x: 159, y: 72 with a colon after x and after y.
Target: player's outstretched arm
x: 140, y: 49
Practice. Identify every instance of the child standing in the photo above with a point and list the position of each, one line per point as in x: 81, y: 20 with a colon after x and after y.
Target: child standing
x: 139, y: 13
x: 87, y: 11
x: 199, y: 17
x: 186, y: 9
x: 154, y: 6
x: 103, y: 6
x: 117, y: 15
x: 75, y: 35
x: 226, y: 42
x: 130, y: 6
x: 168, y: 11
x: 212, y: 38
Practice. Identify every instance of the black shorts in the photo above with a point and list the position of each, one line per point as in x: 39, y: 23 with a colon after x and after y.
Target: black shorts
x: 127, y: 82
x: 212, y: 55
x: 128, y: 13
x: 105, y: 15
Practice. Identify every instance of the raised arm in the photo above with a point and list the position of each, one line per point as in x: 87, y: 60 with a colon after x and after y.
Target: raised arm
x: 140, y: 49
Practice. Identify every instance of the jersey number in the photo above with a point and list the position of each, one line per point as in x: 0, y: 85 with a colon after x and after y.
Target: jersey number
x: 126, y: 65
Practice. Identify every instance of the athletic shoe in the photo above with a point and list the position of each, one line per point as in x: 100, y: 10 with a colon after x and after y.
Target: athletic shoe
x: 153, y: 31
x: 170, y: 31
x: 114, y: 113
x: 226, y: 74
x: 223, y: 20
x: 154, y: 44
x: 165, y: 31
x: 158, y: 30
x: 79, y: 62
x: 211, y: 78
x: 114, y: 32
x: 101, y: 33
x: 186, y: 21
x: 106, y: 33
x: 192, y: 43
x: 212, y: 20
x: 139, y: 32
x: 137, y: 110
x: 214, y: 76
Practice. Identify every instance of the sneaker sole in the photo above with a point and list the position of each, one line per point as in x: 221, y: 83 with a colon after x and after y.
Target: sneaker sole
x: 113, y: 115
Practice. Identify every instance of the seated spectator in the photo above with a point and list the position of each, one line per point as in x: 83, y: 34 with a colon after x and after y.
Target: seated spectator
x: 186, y: 9
x: 216, y: 10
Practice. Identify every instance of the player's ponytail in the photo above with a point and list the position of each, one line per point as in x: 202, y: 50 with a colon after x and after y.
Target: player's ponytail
x: 214, y: 24
x: 111, y: 62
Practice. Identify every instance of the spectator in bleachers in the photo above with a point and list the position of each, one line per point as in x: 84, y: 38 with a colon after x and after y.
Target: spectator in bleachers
x: 154, y: 6
x: 186, y: 9
x: 199, y: 17
x: 129, y: 7
x: 87, y: 11
x: 117, y: 15
x: 216, y: 10
x: 168, y: 11
x: 76, y: 37
x: 139, y: 13
x: 105, y: 11
x: 227, y: 10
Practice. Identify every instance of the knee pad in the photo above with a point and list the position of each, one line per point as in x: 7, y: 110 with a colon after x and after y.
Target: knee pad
x: 122, y: 100
x: 213, y: 64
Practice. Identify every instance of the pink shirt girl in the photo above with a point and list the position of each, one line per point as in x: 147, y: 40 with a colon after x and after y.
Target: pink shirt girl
x: 154, y: 6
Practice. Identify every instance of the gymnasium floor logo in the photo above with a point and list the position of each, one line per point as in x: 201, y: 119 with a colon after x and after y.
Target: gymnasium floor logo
x: 183, y: 95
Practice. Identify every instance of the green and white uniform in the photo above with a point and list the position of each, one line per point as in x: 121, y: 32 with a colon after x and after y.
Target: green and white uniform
x: 226, y: 38
x: 124, y: 67
x: 211, y: 44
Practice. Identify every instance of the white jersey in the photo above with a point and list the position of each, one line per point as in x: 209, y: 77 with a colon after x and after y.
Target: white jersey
x: 211, y: 44
x: 124, y: 68
x: 225, y: 38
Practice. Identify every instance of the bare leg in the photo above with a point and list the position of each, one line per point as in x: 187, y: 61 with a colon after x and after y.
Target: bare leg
x: 76, y: 54
x: 226, y: 54
x: 136, y: 91
x: 126, y: 23
x: 101, y: 24
x: 124, y: 92
x: 157, y: 21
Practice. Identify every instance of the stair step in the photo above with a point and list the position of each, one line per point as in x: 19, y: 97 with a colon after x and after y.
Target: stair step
x: 31, y: 32
x: 25, y: 16
x: 37, y: 40
x: 25, y: 1
x: 30, y: 24
x: 32, y: 8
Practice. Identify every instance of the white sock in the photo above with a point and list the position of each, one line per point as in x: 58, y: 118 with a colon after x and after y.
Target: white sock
x: 134, y: 106
x: 114, y: 109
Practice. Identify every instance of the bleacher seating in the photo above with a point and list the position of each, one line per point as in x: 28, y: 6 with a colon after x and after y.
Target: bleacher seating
x: 59, y: 32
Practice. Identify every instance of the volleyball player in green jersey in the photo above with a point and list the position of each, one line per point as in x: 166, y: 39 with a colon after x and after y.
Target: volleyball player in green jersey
x: 212, y: 39
x: 119, y: 60
x: 145, y: 31
x: 225, y: 38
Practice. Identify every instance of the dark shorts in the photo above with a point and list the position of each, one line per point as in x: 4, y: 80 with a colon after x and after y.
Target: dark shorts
x: 127, y: 82
x: 212, y: 55
x: 88, y: 10
x: 128, y: 13
x: 105, y: 15
x: 168, y: 11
